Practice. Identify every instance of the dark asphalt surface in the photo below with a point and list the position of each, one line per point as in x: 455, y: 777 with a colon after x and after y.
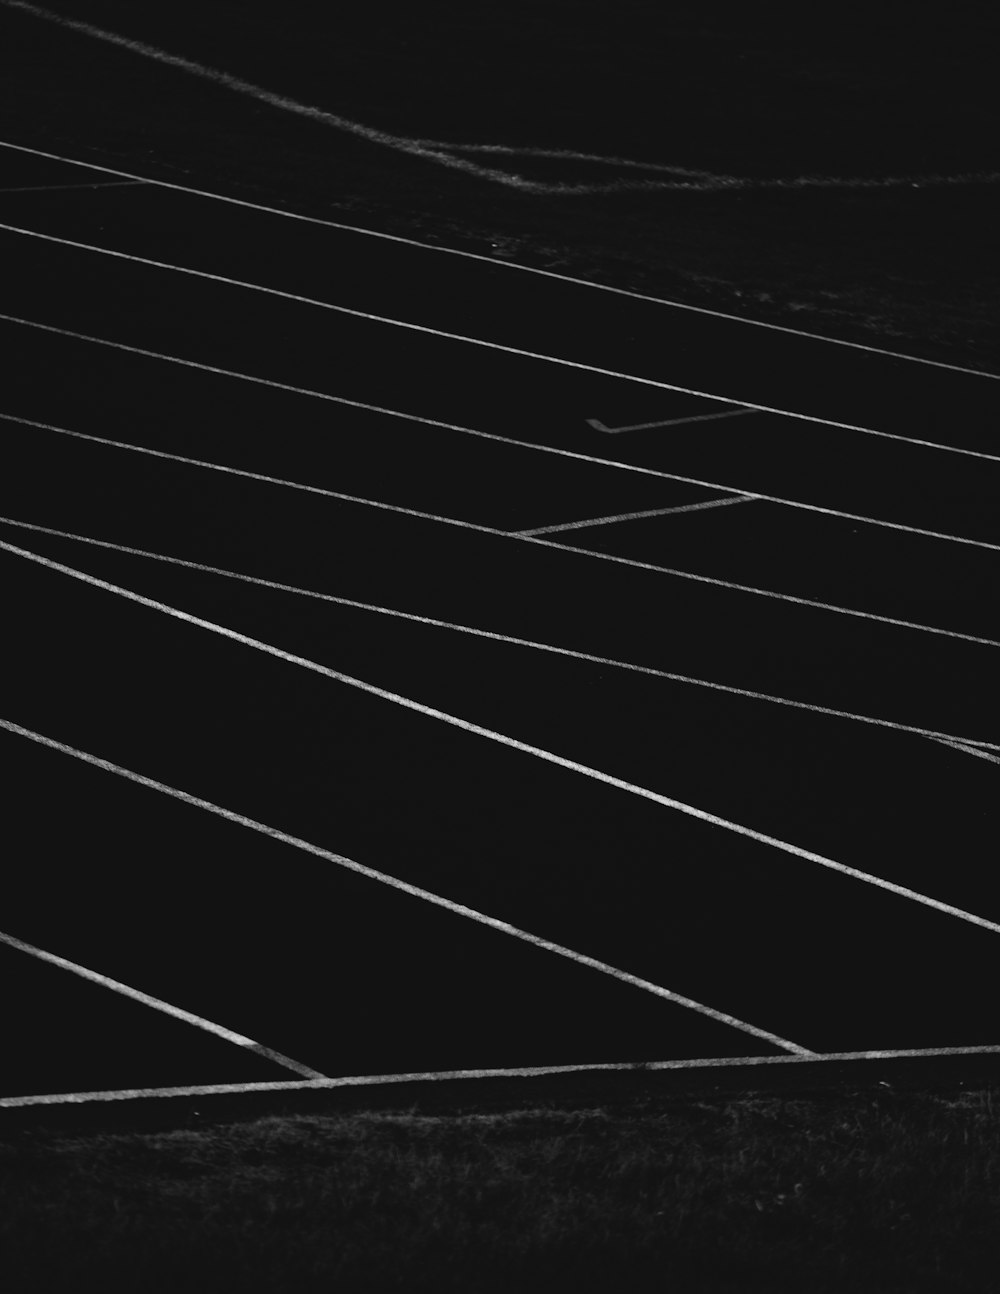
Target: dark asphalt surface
x: 343, y: 974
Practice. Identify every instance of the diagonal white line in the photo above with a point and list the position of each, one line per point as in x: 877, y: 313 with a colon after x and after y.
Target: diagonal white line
x: 503, y: 739
x: 637, y: 516
x: 51, y: 188
x: 490, y: 530
x: 669, y: 422
x: 971, y: 745
x: 416, y: 891
x: 489, y: 260
x: 525, y: 1071
x: 970, y: 748
x: 744, y: 406
x: 671, y: 476
x: 157, y: 1004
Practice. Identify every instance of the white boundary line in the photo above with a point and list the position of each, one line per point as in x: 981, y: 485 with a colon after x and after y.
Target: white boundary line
x: 507, y: 535
x: 501, y: 739
x: 668, y: 422
x: 51, y: 188
x: 973, y: 749
x: 459, y: 909
x: 490, y: 260
x: 743, y: 406
x: 595, y: 554
x: 309, y: 392
x: 971, y: 745
x: 640, y: 516
x: 532, y: 1071
x: 157, y: 1004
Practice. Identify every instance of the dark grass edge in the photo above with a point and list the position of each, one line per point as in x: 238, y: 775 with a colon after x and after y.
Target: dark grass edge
x: 452, y: 1096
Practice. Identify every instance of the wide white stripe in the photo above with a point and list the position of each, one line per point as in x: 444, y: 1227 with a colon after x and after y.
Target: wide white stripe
x: 456, y: 1075
x: 743, y: 406
x: 157, y: 1004
x: 972, y: 745
x: 503, y: 739
x: 504, y: 534
x: 414, y: 890
x: 638, y: 516
x: 489, y: 260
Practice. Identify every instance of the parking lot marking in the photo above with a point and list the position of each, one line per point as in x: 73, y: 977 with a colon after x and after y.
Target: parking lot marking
x: 157, y: 1004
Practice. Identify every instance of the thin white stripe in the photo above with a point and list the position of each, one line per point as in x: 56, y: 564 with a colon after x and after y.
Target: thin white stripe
x: 972, y: 745
x: 503, y: 534
x: 507, y: 535
x: 453, y: 1075
x: 50, y: 188
x: 970, y: 748
x: 744, y: 406
x: 668, y: 422
x: 669, y: 476
x: 489, y: 260
x: 416, y: 891
x: 637, y: 516
x: 502, y: 739
x: 157, y: 1004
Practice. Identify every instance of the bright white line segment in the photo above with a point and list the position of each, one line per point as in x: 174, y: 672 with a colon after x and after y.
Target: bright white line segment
x: 637, y: 516
x: 453, y: 1075
x: 669, y: 422
x: 489, y: 260
x: 385, y: 879
x: 490, y: 530
x: 971, y: 745
x: 125, y: 990
x: 669, y: 476
x: 744, y: 406
x: 502, y: 739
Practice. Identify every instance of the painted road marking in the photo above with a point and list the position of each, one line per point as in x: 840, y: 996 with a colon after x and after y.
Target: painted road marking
x: 52, y: 188
x: 970, y: 749
x: 745, y: 406
x: 454, y: 1075
x: 864, y: 519
x: 157, y: 1004
x: 489, y: 260
x: 465, y: 725
x: 442, y: 153
x: 670, y: 422
x: 416, y: 891
x: 637, y: 516
x: 971, y: 745
x: 489, y: 530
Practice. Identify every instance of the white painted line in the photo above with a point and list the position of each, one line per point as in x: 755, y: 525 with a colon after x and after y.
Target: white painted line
x: 459, y: 909
x: 972, y: 745
x: 637, y: 516
x: 490, y: 260
x: 444, y: 153
x: 489, y: 530
x: 672, y: 476
x: 970, y: 748
x: 745, y: 406
x: 454, y: 1075
x: 669, y: 422
x: 502, y: 739
x: 157, y: 1004
x: 52, y: 188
